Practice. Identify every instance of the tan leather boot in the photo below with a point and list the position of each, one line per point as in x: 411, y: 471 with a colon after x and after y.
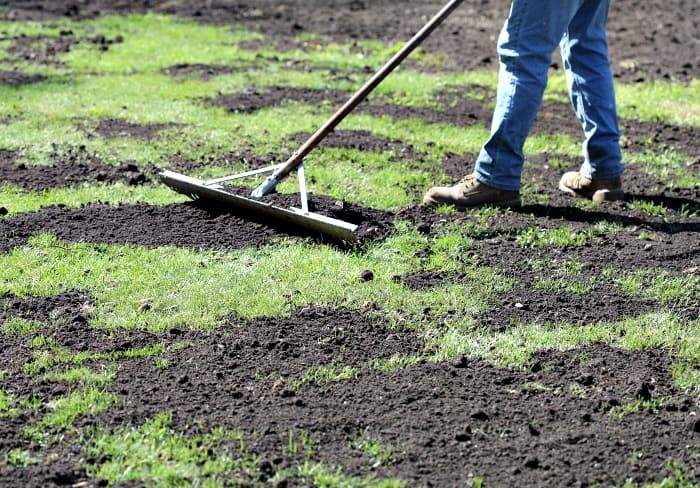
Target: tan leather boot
x: 605, y: 190
x: 471, y: 193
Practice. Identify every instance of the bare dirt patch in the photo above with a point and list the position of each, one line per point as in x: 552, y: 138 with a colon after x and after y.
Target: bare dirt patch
x: 17, y: 78
x: 43, y: 49
x: 440, y: 419
x: 362, y: 140
x: 71, y: 168
x: 121, y: 128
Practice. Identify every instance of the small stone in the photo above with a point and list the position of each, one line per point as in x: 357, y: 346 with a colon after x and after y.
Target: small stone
x: 693, y: 424
x: 366, y: 276
x: 460, y: 361
x: 585, y: 379
x: 480, y: 415
x: 536, y: 367
x: 265, y: 470
x: 647, y: 247
x: 519, y: 305
x: 644, y: 391
x: 464, y: 435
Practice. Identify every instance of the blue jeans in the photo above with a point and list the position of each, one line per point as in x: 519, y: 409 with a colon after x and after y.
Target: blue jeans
x: 525, y: 46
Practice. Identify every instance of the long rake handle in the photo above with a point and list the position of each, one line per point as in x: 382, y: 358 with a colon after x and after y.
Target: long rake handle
x: 296, y: 159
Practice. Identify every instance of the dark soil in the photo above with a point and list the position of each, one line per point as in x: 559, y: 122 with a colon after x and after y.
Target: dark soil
x: 45, y: 49
x: 64, y: 306
x: 71, y: 168
x: 550, y: 423
x: 203, y: 71
x: 16, y: 78
x: 123, y: 128
x: 526, y: 304
x: 185, y: 225
x: 648, y: 39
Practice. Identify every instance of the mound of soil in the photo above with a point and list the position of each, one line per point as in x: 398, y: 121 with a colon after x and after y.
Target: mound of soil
x: 69, y: 169
x: 185, y: 225
x: 58, y: 307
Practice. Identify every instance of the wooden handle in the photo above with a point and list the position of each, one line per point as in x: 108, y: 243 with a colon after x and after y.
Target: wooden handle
x: 362, y: 93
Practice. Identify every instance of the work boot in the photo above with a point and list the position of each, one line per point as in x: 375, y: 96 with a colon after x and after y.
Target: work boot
x: 471, y: 193
x: 603, y: 190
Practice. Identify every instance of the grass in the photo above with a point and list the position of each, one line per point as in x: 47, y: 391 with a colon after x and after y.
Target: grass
x: 515, y: 346
x: 227, y: 282
x: 63, y: 411
x: 127, y: 82
x: 17, y: 200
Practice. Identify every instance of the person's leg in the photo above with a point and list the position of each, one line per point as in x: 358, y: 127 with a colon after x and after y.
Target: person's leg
x: 533, y: 30
x: 584, y: 50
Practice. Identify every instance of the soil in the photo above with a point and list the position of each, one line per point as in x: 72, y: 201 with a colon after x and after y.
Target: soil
x: 362, y: 140
x: 46, y: 49
x: 16, y: 78
x: 186, y: 225
x: 648, y: 39
x: 71, y: 168
x: 551, y: 422
x: 204, y: 71
x: 122, y: 128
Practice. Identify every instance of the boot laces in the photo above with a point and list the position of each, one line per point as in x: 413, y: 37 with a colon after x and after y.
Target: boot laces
x: 468, y: 181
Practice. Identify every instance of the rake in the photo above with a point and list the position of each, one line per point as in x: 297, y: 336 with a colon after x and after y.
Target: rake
x: 253, y: 207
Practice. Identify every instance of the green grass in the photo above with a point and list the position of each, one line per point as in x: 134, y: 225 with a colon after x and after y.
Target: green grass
x: 63, y: 411
x: 17, y: 200
x: 19, y: 326
x: 153, y: 454
x: 514, y: 347
x: 230, y: 282
x: 82, y: 375
x: 378, y: 453
x: 558, y: 237
x: 321, y: 375
x: 6, y: 404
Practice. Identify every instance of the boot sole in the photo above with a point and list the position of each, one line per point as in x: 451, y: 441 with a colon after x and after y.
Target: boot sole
x: 603, y: 195
x: 506, y: 203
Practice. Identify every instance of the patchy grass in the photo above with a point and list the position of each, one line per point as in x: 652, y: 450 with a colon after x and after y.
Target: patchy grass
x: 127, y: 82
x: 229, y: 282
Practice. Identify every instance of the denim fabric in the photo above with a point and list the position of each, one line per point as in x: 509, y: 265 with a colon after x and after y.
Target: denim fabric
x: 533, y: 30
